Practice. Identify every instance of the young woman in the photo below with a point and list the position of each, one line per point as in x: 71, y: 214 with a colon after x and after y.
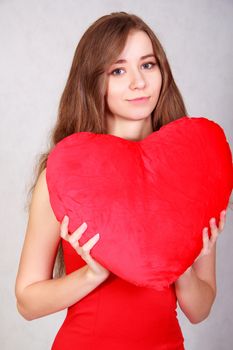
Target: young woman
x: 117, y: 60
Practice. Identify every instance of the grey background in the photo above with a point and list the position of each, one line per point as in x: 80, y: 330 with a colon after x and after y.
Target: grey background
x: 37, y: 41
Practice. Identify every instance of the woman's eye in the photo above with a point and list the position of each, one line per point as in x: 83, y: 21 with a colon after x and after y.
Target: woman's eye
x: 115, y: 70
x: 153, y: 64
x: 119, y: 69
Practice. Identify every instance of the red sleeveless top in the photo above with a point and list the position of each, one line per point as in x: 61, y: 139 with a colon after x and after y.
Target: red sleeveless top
x: 118, y: 315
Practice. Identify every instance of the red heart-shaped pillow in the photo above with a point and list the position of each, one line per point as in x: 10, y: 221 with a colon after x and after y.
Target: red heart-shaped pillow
x: 148, y: 199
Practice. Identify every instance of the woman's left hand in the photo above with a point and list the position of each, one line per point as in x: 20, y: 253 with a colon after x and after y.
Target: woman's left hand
x: 208, y: 243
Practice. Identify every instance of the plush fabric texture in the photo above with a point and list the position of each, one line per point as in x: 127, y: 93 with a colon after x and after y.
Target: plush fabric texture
x: 148, y: 199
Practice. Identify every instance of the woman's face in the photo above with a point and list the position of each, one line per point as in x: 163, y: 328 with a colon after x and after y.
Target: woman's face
x: 135, y: 77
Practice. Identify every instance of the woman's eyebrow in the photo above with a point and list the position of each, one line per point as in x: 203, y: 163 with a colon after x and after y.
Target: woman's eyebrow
x: 141, y: 58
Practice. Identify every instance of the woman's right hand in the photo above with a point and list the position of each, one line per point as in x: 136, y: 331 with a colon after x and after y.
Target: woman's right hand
x: 94, y: 269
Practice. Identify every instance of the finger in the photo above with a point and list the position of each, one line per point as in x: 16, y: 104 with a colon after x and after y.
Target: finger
x: 76, y: 235
x: 206, y: 241
x: 205, y: 237
x: 214, y: 231
x: 213, y: 226
x: 84, y: 251
x: 223, y: 212
x: 213, y: 239
x: 222, y: 220
x: 64, y: 228
x: 89, y: 244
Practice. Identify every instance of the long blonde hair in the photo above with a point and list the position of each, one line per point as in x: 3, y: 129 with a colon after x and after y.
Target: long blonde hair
x: 82, y: 106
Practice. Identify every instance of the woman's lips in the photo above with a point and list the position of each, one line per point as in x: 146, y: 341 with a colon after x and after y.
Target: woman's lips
x: 139, y: 100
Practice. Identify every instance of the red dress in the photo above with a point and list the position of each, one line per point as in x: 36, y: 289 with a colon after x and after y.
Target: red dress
x: 118, y: 315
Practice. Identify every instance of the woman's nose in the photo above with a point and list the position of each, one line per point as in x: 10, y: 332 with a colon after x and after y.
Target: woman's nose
x: 137, y: 79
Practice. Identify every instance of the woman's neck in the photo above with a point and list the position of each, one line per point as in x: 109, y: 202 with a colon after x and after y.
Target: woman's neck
x: 129, y: 129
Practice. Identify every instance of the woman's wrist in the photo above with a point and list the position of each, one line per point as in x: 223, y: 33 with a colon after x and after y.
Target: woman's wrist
x: 96, y: 278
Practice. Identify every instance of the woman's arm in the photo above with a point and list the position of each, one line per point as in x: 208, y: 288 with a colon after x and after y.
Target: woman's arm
x: 196, y: 288
x: 37, y: 293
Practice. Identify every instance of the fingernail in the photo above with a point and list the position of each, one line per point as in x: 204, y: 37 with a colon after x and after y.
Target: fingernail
x: 84, y: 224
